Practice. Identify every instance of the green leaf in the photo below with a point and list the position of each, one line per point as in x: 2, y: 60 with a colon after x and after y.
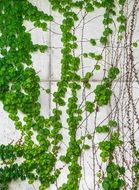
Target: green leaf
x: 102, y: 129
x: 97, y: 67
x: 86, y: 147
x: 103, y: 40
x: 135, y: 44
x: 89, y: 106
x: 89, y: 7
x: 112, y: 123
x: 48, y: 91
x: 93, y: 42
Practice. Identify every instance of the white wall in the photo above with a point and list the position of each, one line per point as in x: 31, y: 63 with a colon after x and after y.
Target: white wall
x: 48, y: 67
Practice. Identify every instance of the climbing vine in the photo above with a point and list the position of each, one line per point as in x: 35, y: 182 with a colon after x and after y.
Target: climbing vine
x: 40, y: 145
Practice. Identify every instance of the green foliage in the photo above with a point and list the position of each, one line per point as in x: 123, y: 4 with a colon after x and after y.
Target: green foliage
x: 86, y: 79
x: 135, y: 168
x: 20, y: 90
x: 114, y: 172
x: 97, y: 67
x: 93, y: 42
x: 122, y: 18
x: 102, y: 129
x: 86, y: 147
x: 89, y: 7
x: 135, y: 44
x: 103, y: 95
x: 112, y: 123
x: 103, y: 92
x: 85, y: 55
x: 103, y: 40
x: 3, y: 186
x: 107, y: 147
x: 48, y: 91
x: 122, y: 2
x: 113, y: 180
x: 89, y: 107
x: 113, y: 72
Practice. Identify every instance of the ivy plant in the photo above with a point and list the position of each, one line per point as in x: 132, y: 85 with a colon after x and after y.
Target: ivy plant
x: 20, y: 90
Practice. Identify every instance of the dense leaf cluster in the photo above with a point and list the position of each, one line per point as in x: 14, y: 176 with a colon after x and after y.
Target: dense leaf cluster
x: 20, y: 90
x: 114, y: 172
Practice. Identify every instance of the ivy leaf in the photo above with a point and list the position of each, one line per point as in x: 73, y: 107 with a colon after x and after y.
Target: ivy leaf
x: 89, y: 106
x: 89, y: 7
x: 135, y: 44
x: 93, y: 42
x: 86, y: 147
